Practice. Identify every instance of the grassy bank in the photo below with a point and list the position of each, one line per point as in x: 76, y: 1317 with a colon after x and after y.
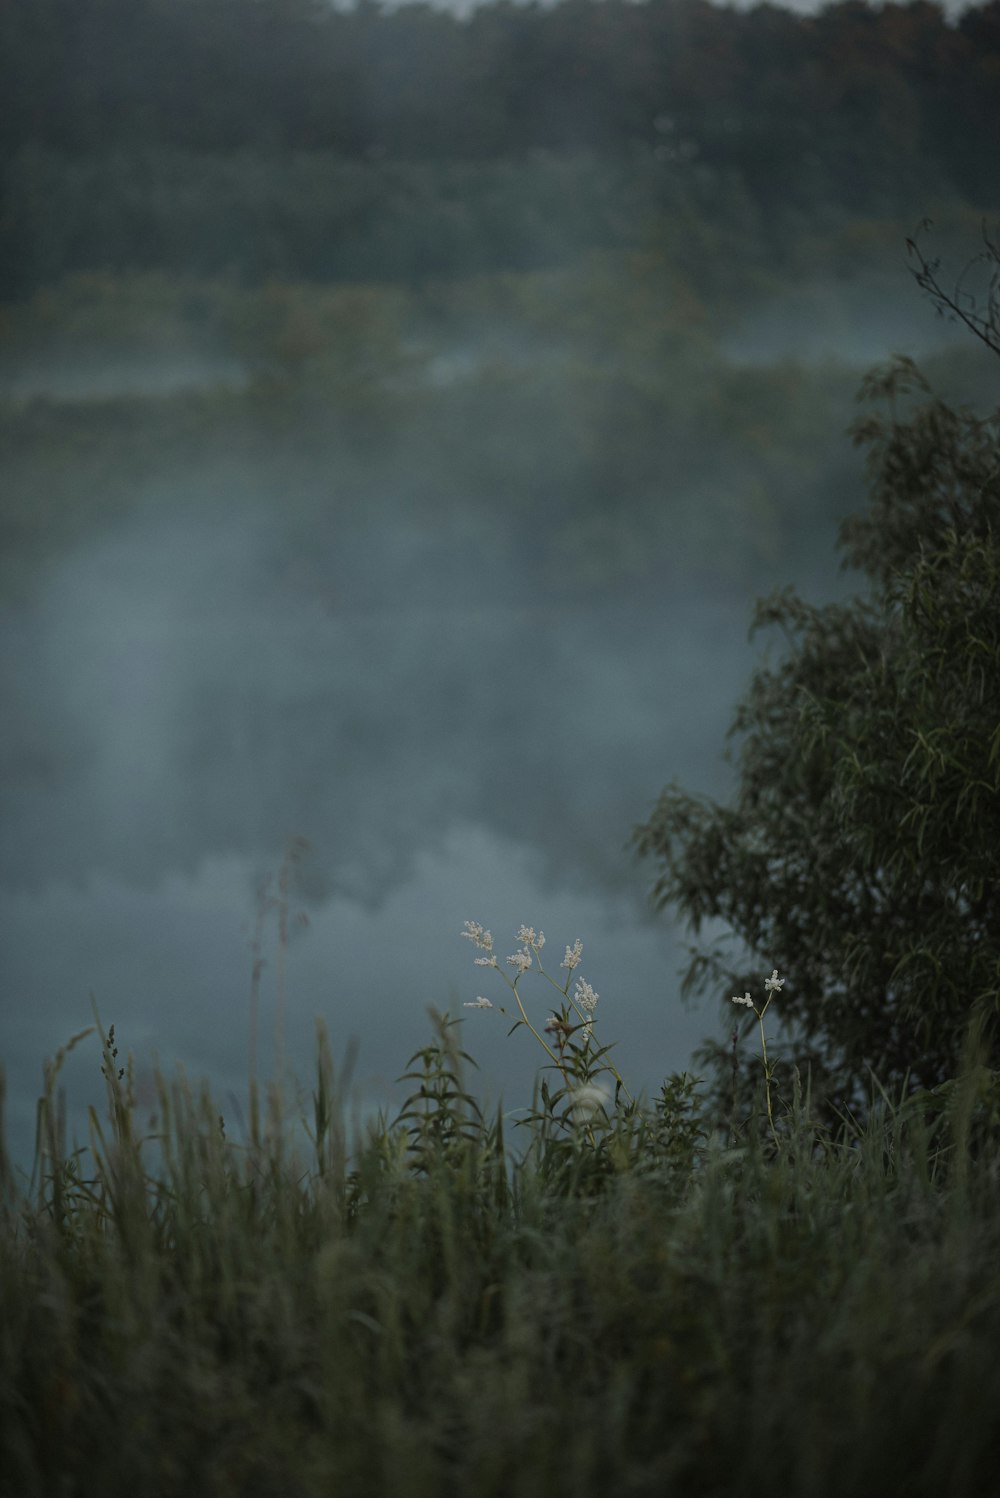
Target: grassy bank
x: 624, y: 1299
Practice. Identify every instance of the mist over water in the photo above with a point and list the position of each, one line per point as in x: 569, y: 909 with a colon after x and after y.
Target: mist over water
x: 181, y: 707
x: 461, y: 725
x: 464, y: 714
x: 395, y: 438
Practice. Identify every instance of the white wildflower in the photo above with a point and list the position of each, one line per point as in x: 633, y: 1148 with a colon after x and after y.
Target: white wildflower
x: 773, y: 983
x: 585, y: 996
x: 746, y: 999
x: 490, y: 961
x: 521, y: 960
x: 527, y: 935
x: 573, y: 955
x: 479, y: 1003
x: 474, y: 932
x: 588, y: 1101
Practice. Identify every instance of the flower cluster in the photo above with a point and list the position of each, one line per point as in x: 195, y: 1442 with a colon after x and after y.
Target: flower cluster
x: 478, y: 936
x: 484, y: 940
x: 573, y: 956
x: 566, y: 1043
x: 772, y: 986
x: 585, y: 996
x: 586, y: 999
x: 521, y: 959
x: 527, y: 935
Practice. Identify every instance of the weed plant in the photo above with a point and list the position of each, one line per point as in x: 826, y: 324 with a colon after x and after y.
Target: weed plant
x: 625, y: 1296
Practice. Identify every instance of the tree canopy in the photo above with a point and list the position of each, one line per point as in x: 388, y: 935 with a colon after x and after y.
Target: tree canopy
x: 859, y: 854
x: 297, y: 138
x: 848, y: 101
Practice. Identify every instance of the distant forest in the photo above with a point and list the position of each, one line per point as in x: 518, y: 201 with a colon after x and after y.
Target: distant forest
x: 287, y: 138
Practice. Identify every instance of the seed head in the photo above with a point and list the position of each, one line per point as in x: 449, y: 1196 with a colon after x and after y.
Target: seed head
x: 573, y: 956
x: 588, y: 1102
x: 521, y: 960
x: 585, y: 996
x: 474, y: 932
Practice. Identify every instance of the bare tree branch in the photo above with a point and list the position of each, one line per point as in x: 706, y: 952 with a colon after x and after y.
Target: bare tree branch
x: 978, y: 309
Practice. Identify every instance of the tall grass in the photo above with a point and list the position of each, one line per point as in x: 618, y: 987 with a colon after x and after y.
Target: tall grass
x: 619, y: 1299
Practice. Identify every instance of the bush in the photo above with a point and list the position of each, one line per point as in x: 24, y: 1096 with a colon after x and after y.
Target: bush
x: 860, y: 849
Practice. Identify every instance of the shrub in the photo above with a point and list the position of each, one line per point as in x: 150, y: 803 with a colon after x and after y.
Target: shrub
x: 860, y: 847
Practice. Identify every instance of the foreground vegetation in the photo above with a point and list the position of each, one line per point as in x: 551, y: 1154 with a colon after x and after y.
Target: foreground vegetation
x: 638, y: 1296
x: 785, y: 1281
x: 743, y: 1289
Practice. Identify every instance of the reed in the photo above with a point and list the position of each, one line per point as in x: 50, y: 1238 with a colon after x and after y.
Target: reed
x: 621, y: 1296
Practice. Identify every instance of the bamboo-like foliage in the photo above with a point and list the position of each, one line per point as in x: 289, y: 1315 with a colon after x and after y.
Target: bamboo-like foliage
x: 861, y: 844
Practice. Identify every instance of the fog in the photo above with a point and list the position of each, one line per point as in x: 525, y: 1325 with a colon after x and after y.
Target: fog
x: 374, y: 553
x: 195, y: 684
x: 179, y: 708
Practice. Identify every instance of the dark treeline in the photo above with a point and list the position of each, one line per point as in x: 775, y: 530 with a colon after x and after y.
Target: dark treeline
x: 288, y: 140
x: 767, y: 92
x: 181, y: 134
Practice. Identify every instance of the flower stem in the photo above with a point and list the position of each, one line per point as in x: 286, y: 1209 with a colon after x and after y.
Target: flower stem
x: 767, y: 1074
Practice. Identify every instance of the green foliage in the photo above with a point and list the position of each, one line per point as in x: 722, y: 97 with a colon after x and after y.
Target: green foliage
x: 441, y: 1117
x: 412, y: 1307
x: 861, y: 846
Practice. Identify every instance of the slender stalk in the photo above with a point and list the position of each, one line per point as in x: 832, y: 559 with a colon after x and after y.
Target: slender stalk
x: 767, y: 1076
x: 771, y: 986
x: 563, y: 988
